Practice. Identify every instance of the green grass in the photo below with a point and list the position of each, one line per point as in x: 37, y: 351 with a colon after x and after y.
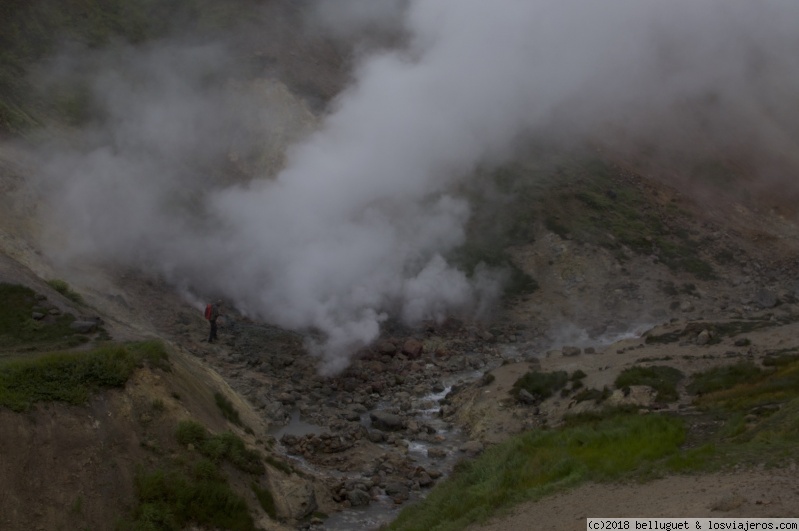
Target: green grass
x: 193, y: 490
x: 593, y: 205
x: 220, y: 447
x: 779, y: 387
x: 227, y: 409
x: 541, y: 384
x: 72, y: 377
x: 532, y: 465
x: 20, y: 332
x: 63, y: 288
x: 755, y: 421
x: 173, y: 499
x: 724, y: 377
x: 662, y: 378
x: 761, y: 417
x: 265, y: 499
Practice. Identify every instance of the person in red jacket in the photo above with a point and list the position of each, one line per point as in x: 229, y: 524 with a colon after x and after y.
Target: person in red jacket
x: 216, y: 311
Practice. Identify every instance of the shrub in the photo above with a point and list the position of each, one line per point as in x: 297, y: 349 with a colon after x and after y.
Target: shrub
x: 227, y: 409
x: 592, y: 394
x: 265, y: 499
x: 69, y: 376
x: 660, y: 377
x: 171, y: 500
x: 220, y: 447
x: 63, y: 288
x: 191, y: 432
x: 541, y: 384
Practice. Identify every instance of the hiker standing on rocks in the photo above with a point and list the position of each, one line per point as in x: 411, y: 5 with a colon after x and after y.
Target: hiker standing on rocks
x: 213, y: 312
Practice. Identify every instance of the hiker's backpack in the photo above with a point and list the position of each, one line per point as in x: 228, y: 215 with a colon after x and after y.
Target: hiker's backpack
x: 209, y: 308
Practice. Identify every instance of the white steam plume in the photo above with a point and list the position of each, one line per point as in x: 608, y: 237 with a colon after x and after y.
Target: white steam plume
x: 356, y: 224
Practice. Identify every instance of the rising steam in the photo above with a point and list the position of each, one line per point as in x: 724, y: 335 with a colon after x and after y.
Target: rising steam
x: 351, y: 223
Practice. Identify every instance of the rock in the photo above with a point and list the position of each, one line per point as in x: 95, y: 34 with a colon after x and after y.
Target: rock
x: 436, y: 452
x: 485, y: 335
x: 742, y: 342
x: 83, y: 327
x: 525, y: 397
x: 386, y: 347
x: 386, y: 421
x: 412, y: 348
x: 294, y: 496
x: 37, y: 316
x: 765, y: 298
x: 435, y: 474
x: 703, y: 337
x: 358, y: 497
x: 397, y: 490
x: 472, y: 448
x: 686, y: 306
x: 571, y: 351
x: 425, y: 480
x: 376, y: 436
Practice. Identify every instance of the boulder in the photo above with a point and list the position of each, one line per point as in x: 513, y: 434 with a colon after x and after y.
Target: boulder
x: 412, y: 348
x: 384, y: 420
x: 294, y: 496
x: 83, y: 327
x: 425, y: 480
x: 436, y: 452
x: 472, y: 448
x: 386, y: 347
x: 358, y: 497
x: 525, y: 397
x: 397, y: 490
x: 571, y: 351
x: 703, y: 337
x: 765, y: 298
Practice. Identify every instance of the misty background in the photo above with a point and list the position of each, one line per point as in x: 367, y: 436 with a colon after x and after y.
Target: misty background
x: 333, y: 217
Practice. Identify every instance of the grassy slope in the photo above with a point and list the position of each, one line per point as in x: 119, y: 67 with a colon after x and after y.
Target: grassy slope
x: 192, y: 485
x: 760, y: 414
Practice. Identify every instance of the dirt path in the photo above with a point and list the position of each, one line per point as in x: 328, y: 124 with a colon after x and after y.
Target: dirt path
x: 772, y: 494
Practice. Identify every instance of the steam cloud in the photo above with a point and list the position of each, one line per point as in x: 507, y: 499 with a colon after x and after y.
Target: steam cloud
x: 356, y: 224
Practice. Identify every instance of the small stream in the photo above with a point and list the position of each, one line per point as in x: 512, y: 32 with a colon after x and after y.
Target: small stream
x: 382, y: 508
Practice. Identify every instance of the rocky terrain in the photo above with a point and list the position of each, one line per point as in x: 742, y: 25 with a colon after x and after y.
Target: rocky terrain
x: 627, y: 262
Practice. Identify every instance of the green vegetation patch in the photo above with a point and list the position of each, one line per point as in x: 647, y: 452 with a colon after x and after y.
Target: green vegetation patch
x: 266, y: 500
x: 592, y: 394
x: 63, y: 288
x: 19, y: 331
x: 72, y: 377
x: 541, y: 384
x: 227, y: 409
x: 596, y: 206
x: 170, y: 500
x: 220, y: 447
x: 724, y: 377
x: 662, y: 378
x: 781, y: 358
x: 774, y: 388
x: 538, y: 463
